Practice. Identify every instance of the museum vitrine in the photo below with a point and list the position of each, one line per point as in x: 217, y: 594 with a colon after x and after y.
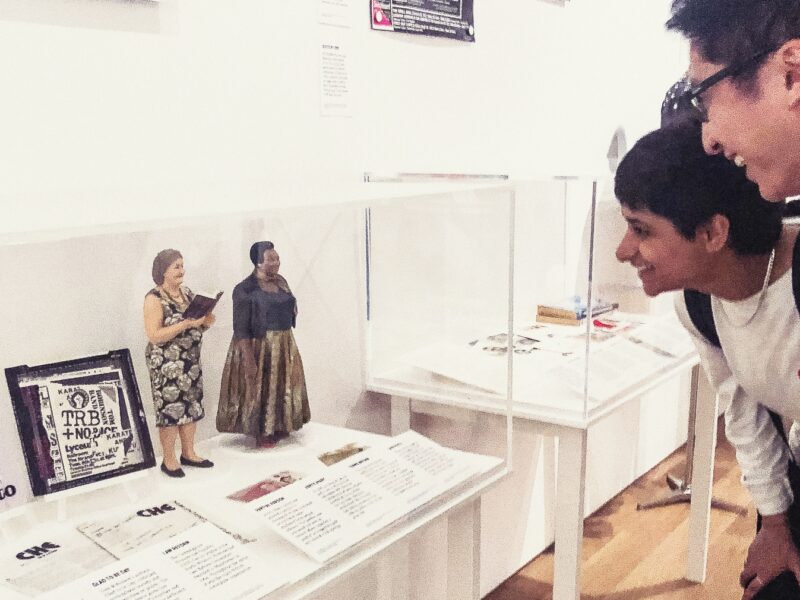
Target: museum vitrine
x: 273, y: 387
x: 585, y: 336
x: 440, y: 308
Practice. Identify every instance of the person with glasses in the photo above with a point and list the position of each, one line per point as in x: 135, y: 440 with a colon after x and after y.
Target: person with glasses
x: 744, y: 85
x: 694, y: 222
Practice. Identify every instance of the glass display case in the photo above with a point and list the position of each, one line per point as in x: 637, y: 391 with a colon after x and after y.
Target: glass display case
x: 440, y: 310
x: 438, y: 319
x: 333, y: 490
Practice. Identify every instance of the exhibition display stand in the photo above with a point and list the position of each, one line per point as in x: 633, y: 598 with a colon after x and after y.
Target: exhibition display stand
x: 332, y: 511
x: 574, y: 368
x: 124, y: 539
x: 571, y: 469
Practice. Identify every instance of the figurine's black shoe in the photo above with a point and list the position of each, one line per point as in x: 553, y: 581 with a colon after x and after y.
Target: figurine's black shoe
x: 203, y: 464
x: 172, y: 472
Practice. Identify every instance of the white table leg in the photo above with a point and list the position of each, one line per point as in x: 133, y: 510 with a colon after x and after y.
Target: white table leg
x: 464, y: 552
x: 570, y: 489
x: 392, y: 569
x: 401, y: 415
x: 705, y: 439
x: 427, y: 564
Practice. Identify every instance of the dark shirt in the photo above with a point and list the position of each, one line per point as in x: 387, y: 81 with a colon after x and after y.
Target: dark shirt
x: 255, y: 311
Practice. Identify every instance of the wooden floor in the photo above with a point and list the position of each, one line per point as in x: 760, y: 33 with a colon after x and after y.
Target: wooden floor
x: 639, y: 555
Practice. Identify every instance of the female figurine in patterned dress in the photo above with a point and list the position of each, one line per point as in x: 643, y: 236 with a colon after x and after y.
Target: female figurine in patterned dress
x: 263, y: 391
x: 173, y: 359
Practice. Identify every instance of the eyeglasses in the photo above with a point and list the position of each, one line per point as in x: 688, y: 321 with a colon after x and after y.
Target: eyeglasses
x: 693, y: 95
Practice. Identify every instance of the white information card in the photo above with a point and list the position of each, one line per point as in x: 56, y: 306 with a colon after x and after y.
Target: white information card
x: 333, y: 509
x: 203, y: 562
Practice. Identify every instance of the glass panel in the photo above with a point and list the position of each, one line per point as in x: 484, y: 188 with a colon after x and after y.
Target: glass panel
x: 567, y: 233
x: 439, y: 294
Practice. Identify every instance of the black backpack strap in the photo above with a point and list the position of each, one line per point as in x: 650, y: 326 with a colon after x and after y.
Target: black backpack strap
x: 796, y: 291
x: 698, y: 305
x: 796, y: 273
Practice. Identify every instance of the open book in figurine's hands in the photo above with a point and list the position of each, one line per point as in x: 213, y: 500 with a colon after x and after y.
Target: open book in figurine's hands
x: 202, y: 304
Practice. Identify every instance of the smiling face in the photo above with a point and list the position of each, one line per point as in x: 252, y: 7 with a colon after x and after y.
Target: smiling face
x: 758, y: 129
x: 664, y: 259
x: 173, y: 276
x: 270, y: 263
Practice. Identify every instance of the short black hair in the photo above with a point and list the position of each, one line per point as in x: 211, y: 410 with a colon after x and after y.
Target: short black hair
x: 668, y: 173
x: 730, y: 31
x: 257, y: 251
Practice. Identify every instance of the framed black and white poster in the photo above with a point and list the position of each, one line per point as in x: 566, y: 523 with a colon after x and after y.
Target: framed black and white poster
x: 80, y: 421
x: 442, y: 18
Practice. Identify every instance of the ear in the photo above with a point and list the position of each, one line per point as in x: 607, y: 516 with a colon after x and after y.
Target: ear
x: 713, y: 234
x: 789, y: 59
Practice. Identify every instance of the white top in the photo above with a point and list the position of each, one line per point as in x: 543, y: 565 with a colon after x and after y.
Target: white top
x: 759, y: 366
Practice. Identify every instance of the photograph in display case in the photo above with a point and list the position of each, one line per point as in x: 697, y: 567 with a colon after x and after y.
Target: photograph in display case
x: 274, y: 482
x: 79, y: 421
x: 339, y: 454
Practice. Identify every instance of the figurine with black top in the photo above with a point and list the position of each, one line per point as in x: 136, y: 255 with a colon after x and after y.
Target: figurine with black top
x: 263, y: 391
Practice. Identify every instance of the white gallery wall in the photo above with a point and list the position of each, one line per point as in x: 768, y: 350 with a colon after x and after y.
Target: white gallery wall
x: 118, y: 110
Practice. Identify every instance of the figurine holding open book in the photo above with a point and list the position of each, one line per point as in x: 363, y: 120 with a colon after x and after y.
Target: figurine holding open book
x: 173, y: 360
x: 263, y: 391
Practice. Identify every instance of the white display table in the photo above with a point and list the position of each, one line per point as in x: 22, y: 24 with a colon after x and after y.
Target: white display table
x: 395, y: 572
x: 408, y: 395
